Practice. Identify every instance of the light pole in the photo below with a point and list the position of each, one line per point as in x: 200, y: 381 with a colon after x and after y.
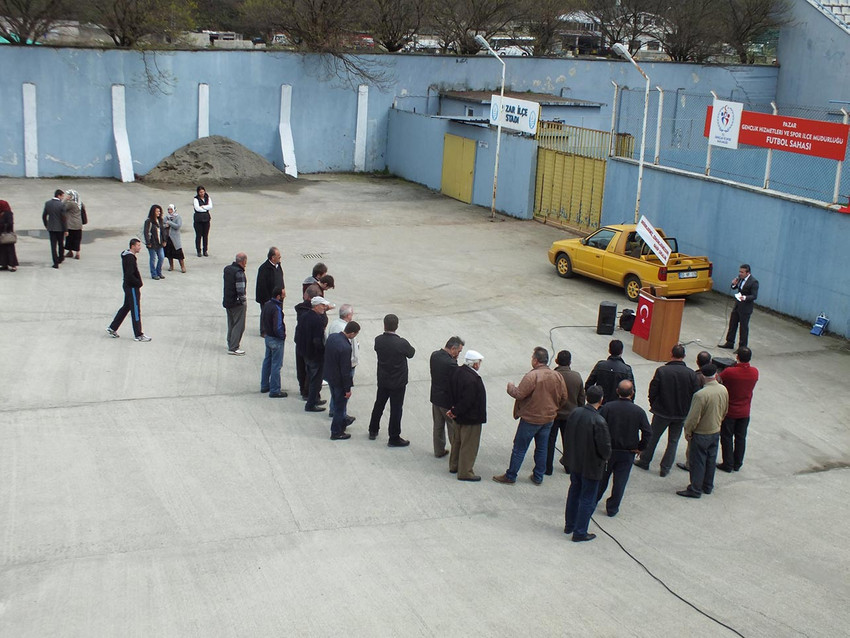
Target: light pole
x: 624, y: 52
x: 480, y: 40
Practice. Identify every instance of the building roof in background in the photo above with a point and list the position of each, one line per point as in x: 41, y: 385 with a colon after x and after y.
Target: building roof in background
x: 544, y: 99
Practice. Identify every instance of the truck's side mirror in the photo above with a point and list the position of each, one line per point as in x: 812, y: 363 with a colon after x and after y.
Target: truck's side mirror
x: 584, y: 241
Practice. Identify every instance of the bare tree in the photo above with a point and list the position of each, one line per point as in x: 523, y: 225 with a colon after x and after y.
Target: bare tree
x: 322, y: 26
x: 689, y: 30
x: 543, y: 20
x: 744, y: 21
x: 28, y: 21
x: 621, y: 20
x: 461, y: 20
x: 393, y: 23
x: 128, y: 22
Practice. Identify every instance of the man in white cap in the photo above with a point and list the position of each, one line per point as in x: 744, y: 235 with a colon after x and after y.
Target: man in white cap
x: 310, y: 343
x: 469, y: 411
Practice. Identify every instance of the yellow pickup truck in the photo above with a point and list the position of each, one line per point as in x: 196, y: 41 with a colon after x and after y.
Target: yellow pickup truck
x: 617, y: 255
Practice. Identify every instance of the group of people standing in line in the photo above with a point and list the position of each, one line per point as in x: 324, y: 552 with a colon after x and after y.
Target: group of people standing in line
x: 603, y: 432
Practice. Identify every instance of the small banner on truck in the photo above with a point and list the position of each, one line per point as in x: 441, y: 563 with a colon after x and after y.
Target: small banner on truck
x: 656, y: 242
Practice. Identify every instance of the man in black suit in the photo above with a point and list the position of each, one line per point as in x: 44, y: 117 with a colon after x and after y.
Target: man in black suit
x: 269, y: 279
x: 56, y: 222
x: 393, y: 352
x: 747, y: 288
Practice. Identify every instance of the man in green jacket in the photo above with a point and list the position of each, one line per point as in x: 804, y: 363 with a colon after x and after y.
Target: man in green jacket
x: 702, y: 431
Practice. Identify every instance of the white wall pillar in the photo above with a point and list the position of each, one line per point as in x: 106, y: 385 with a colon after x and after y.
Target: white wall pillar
x: 362, y: 126
x: 119, y: 132
x: 30, y: 131
x: 287, y: 144
x: 203, y: 110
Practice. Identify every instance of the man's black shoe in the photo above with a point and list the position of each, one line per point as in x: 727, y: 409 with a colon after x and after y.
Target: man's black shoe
x: 683, y: 466
x: 581, y: 539
x: 641, y: 466
x: 726, y: 346
x: 349, y: 420
x: 373, y: 436
x: 474, y: 478
x: 724, y: 468
x: 314, y: 408
x: 340, y: 437
x: 568, y: 530
x: 688, y: 493
x: 321, y: 402
x: 662, y: 473
x: 278, y: 395
x: 399, y: 442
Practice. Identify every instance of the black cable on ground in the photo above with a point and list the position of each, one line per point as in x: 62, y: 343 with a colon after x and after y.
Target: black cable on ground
x: 663, y: 584
x: 552, y: 342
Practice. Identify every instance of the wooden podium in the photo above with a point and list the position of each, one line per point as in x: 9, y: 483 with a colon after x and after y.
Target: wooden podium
x: 664, y: 326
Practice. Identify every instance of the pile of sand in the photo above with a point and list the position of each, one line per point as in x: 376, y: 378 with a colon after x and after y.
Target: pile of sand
x: 218, y: 161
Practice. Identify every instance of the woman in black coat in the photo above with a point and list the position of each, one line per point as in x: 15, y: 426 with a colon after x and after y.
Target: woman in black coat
x: 8, y: 256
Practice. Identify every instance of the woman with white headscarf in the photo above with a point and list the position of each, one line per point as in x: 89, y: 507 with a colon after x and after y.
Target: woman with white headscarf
x: 75, y: 212
x: 174, y: 245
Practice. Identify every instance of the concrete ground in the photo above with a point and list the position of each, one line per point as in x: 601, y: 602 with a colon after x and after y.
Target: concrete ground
x: 149, y: 489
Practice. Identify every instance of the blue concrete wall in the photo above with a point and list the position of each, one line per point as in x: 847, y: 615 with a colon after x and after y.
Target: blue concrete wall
x: 797, y: 251
x: 415, y: 152
x: 74, y: 104
x: 814, y: 53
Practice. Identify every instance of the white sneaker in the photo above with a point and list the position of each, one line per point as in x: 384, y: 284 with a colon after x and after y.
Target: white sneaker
x: 142, y: 337
x: 237, y: 352
x: 112, y: 333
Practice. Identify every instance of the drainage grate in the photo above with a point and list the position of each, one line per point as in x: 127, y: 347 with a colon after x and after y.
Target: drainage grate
x: 312, y: 256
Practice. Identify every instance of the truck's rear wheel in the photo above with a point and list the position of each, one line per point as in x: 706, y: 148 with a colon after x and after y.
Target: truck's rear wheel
x: 632, y: 286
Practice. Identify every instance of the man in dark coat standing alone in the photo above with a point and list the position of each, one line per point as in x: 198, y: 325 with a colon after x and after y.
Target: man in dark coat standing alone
x: 746, y: 289
x: 469, y: 411
x: 393, y: 352
x: 588, y: 446
x: 629, y: 429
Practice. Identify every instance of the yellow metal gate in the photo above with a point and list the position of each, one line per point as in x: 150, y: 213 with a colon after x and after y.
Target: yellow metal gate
x: 458, y: 167
x: 571, y: 164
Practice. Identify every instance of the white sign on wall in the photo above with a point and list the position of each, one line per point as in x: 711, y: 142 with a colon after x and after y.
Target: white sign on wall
x: 725, y: 124
x: 517, y: 115
x: 655, y: 241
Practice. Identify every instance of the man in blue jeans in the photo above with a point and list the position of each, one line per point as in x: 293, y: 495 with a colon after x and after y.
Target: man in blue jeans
x: 275, y: 334
x: 586, y: 449
x: 538, y: 396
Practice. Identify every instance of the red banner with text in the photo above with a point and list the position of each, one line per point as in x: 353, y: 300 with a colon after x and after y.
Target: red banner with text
x: 792, y: 134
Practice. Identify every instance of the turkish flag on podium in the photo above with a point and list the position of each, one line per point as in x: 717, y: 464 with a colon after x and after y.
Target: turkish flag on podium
x: 643, y: 317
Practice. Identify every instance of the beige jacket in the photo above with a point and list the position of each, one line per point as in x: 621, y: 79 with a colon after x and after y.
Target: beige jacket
x: 708, y: 409
x: 539, y: 395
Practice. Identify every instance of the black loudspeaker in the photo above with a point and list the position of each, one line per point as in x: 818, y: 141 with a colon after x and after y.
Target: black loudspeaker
x: 722, y: 363
x: 607, y: 318
x: 627, y: 319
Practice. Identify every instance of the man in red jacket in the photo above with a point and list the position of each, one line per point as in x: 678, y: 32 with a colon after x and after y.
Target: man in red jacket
x: 739, y: 379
